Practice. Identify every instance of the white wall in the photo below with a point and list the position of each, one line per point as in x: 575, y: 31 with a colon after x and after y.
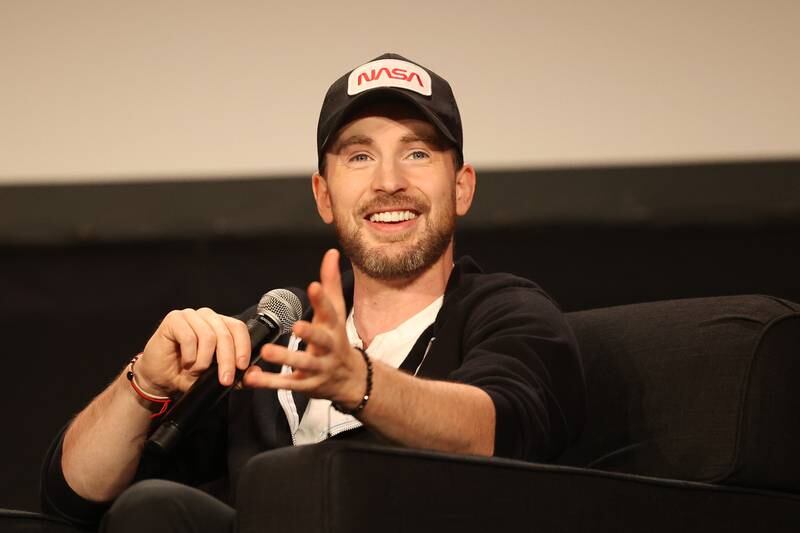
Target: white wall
x: 121, y: 89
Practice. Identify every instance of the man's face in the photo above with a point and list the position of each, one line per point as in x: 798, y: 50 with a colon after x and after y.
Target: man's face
x: 392, y: 192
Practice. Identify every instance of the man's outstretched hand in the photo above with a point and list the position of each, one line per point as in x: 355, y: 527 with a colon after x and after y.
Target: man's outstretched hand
x: 329, y: 368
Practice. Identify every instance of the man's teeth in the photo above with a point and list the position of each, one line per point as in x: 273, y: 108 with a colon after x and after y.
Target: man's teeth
x: 392, y: 216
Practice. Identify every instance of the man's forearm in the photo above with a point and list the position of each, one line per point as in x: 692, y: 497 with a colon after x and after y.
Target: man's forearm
x: 103, y: 445
x: 436, y: 415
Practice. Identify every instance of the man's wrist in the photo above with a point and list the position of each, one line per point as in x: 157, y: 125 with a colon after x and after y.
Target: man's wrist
x: 125, y: 385
x: 149, y: 388
x: 362, y: 387
x: 156, y: 403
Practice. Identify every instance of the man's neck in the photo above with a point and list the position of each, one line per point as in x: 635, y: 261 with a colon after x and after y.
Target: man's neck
x: 380, y: 306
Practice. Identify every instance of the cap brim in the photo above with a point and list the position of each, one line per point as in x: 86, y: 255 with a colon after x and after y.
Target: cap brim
x: 339, y: 118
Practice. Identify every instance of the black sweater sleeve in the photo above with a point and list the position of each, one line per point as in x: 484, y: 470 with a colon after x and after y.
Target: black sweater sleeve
x: 200, y: 461
x: 519, y: 348
x: 58, y: 498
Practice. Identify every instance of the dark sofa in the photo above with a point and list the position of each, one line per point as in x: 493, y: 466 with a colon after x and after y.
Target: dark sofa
x: 693, y: 425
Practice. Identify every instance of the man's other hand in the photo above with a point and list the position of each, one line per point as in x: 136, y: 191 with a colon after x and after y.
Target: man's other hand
x: 329, y: 368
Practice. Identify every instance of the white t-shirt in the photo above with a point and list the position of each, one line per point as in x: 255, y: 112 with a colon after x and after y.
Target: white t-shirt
x: 390, y: 347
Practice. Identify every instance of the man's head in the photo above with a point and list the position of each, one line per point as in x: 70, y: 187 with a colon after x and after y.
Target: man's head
x: 391, y: 176
x: 385, y: 77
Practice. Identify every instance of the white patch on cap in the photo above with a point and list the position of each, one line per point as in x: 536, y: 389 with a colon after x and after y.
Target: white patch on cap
x: 389, y: 73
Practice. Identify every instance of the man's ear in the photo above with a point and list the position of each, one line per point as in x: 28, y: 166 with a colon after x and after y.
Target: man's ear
x: 465, y: 188
x: 319, y: 185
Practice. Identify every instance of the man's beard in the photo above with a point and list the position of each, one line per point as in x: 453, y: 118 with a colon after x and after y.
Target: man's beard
x: 402, y: 260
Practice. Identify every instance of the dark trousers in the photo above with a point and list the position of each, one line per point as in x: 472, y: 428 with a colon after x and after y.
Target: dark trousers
x: 158, y: 506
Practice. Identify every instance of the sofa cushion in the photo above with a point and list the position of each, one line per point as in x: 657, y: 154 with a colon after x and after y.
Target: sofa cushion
x: 696, y: 389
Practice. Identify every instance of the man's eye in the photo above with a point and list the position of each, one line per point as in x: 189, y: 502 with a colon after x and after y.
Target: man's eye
x: 418, y: 154
x: 359, y: 158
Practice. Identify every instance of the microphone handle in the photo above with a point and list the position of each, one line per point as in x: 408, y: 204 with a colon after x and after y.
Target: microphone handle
x: 204, y: 393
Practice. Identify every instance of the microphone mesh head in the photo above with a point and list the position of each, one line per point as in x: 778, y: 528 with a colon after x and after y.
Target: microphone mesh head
x: 282, y: 305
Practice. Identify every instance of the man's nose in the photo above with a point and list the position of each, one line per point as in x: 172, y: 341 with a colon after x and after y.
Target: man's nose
x: 389, y: 178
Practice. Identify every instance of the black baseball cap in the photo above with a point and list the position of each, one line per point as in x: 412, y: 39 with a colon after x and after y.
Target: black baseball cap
x: 394, y: 76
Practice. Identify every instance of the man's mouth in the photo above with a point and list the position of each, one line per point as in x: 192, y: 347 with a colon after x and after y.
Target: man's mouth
x: 392, y: 217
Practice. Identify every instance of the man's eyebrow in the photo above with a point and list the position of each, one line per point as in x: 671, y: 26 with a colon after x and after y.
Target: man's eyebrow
x: 432, y: 139
x: 349, y: 141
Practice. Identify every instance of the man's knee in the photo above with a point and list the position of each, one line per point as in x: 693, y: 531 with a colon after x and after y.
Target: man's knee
x: 151, y: 505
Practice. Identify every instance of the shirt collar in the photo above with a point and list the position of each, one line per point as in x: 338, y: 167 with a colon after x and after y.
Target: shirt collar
x: 412, y: 327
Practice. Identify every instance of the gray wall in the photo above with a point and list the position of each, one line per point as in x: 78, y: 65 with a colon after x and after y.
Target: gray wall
x: 113, y: 89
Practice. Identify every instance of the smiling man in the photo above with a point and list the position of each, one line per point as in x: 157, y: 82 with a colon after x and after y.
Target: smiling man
x: 412, y: 348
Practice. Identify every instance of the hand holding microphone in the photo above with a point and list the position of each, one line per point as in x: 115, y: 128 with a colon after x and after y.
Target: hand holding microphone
x: 186, y: 344
x: 204, y: 354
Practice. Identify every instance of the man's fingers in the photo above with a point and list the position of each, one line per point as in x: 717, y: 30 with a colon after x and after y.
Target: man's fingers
x: 177, y: 330
x: 206, y: 342
x: 224, y: 345
x: 202, y: 333
x: 314, y: 335
x: 185, y: 345
x: 324, y: 311
x: 298, y: 360
x: 241, y: 341
x: 257, y: 378
x: 331, y: 279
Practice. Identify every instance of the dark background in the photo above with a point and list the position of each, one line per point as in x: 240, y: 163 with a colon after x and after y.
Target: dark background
x: 88, y: 271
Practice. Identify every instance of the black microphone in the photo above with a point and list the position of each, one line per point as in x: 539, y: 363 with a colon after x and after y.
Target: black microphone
x: 277, y: 311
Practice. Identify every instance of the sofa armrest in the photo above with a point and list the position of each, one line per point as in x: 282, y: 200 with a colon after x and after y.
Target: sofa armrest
x: 701, y: 389
x: 354, y: 487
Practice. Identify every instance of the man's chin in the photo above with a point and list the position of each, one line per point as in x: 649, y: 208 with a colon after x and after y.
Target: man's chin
x: 393, y: 272
x: 394, y: 256
x: 379, y: 238
x: 395, y: 262
x: 391, y: 256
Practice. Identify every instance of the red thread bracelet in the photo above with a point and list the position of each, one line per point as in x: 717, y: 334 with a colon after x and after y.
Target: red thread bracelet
x: 164, y: 401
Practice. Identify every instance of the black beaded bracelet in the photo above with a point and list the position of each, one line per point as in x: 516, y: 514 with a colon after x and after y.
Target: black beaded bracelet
x: 358, y: 408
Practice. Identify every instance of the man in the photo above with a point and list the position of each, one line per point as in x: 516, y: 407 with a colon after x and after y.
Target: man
x: 413, y: 350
